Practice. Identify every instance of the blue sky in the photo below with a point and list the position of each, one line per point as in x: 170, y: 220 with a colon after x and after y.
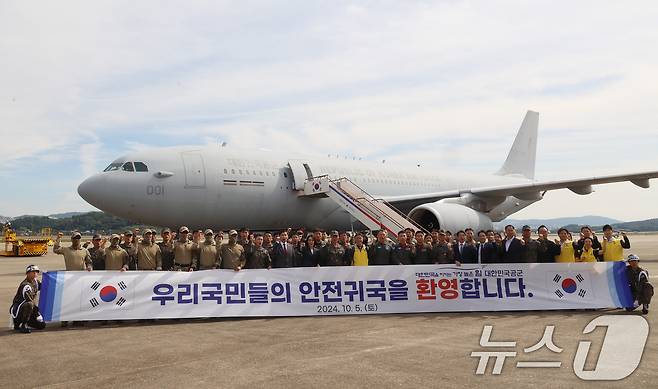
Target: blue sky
x: 435, y: 83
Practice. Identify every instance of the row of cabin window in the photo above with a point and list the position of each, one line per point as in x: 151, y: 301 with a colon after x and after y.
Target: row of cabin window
x: 253, y: 172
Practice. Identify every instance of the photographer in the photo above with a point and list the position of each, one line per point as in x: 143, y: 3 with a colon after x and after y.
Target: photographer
x: 24, y: 310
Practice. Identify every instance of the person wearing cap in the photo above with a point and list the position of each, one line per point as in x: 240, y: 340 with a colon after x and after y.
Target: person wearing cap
x: 259, y: 258
x: 184, y: 251
x: 379, y: 252
x: 24, y: 310
x: 612, y: 247
x: 76, y: 257
x: 129, y: 245
x: 97, y: 252
x: 567, y: 247
x: 332, y: 254
x: 586, y: 232
x: 441, y: 252
x: 116, y: 258
x: 147, y: 254
x: 638, y: 280
x: 552, y: 249
x: 232, y: 253
x: 533, y: 247
x: 166, y: 250
x: 208, y: 252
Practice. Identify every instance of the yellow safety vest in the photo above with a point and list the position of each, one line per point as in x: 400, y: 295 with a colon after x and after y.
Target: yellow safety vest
x: 587, y: 256
x: 567, y: 253
x: 613, y: 250
x: 360, y: 256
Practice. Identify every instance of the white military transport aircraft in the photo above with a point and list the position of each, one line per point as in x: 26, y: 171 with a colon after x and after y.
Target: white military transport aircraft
x: 223, y: 187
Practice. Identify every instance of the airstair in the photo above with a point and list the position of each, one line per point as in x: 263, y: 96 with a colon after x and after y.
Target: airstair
x: 374, y: 213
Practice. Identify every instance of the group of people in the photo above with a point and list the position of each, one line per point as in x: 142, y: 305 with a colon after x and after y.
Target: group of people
x: 203, y: 250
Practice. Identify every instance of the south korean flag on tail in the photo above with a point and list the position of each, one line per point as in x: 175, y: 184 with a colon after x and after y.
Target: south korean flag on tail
x: 570, y: 286
x: 101, y: 295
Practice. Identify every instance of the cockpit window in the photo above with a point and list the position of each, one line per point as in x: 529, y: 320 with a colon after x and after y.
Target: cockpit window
x: 141, y: 167
x: 128, y: 167
x: 112, y: 167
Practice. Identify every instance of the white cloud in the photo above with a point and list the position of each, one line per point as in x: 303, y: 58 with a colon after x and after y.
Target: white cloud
x: 348, y: 78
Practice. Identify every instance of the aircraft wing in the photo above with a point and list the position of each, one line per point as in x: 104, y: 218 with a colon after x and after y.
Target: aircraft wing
x: 523, y: 190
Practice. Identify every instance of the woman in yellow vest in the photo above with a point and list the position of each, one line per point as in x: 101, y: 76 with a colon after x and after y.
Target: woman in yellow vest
x: 613, y: 247
x: 567, y: 247
x: 360, y: 256
x: 588, y: 253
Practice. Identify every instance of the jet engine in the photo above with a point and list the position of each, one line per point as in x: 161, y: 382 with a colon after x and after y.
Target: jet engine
x: 449, y: 217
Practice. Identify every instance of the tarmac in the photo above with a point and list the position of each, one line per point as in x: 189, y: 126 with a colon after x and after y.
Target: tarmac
x: 428, y: 350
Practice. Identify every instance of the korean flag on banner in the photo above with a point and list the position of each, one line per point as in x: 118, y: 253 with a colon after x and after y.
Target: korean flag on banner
x: 570, y: 286
x: 100, y: 295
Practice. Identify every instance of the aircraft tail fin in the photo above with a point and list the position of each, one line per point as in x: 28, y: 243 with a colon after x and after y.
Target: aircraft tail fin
x: 523, y: 154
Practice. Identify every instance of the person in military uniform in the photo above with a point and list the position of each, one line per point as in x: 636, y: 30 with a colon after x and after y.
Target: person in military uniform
x: 231, y: 253
x: 441, y: 252
x: 76, y: 257
x: 318, y: 237
x: 24, y: 310
x: 552, y: 249
x: 116, y: 258
x: 97, y: 252
x: 147, y: 254
x: 402, y: 253
x: 638, y: 280
x: 166, y: 250
x: 380, y: 251
x: 243, y: 240
x: 208, y: 252
x: 533, y: 248
x: 421, y: 250
x: 128, y: 245
x: 267, y: 243
x: 333, y: 254
x: 183, y: 251
x: 259, y: 258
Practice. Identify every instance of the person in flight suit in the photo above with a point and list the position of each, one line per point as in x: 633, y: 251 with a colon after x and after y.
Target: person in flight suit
x: 231, y: 253
x: 243, y: 240
x: 402, y: 253
x: 259, y: 258
x: 167, y: 250
x: 96, y: 252
x: 333, y: 254
x: 183, y: 251
x: 422, y: 250
x: 76, y: 257
x: 208, y: 252
x: 441, y: 251
x: 24, y: 310
x: 379, y: 252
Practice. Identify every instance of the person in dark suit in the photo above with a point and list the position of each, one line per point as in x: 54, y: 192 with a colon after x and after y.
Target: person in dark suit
x: 310, y: 254
x: 512, y: 247
x: 486, y: 247
x: 284, y: 253
x: 464, y: 252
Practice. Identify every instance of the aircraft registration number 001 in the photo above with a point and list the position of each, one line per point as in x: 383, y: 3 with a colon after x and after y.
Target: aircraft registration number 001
x: 155, y: 190
x: 346, y: 308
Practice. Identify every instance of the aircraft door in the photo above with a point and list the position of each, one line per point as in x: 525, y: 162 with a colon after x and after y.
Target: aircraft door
x: 195, y: 173
x: 301, y: 171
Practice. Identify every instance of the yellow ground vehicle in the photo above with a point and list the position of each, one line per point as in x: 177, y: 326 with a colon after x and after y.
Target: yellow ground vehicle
x: 24, y: 247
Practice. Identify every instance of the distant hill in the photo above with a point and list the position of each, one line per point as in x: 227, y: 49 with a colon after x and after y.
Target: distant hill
x: 65, y: 215
x: 649, y: 225
x: 559, y: 222
x: 4, y: 219
x: 90, y: 222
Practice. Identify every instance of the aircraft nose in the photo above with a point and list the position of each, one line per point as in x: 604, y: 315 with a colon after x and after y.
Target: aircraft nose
x: 90, y: 190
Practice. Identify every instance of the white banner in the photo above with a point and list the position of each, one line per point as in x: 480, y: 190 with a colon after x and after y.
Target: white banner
x: 113, y: 295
